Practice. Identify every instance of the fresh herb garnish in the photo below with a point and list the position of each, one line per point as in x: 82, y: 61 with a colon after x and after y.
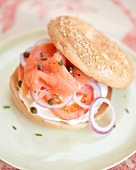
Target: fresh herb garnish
x: 43, y: 58
x: 60, y: 63
x: 114, y: 126
x: 41, y: 54
x: 38, y: 134
x: 126, y: 110
x: 14, y: 128
x: 40, y: 67
x: 6, y: 107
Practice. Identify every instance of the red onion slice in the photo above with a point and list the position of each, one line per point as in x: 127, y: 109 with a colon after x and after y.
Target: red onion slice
x: 103, y: 89
x: 75, y: 98
x: 93, y: 110
x: 97, y: 90
x: 46, y: 105
x: 42, y: 41
x: 22, y: 59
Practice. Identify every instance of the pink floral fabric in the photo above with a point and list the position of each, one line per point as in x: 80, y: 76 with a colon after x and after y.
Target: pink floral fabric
x: 114, y: 17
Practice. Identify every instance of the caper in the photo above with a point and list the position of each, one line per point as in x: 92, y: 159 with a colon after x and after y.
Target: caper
x: 33, y: 110
x: 70, y: 68
x: 51, y: 101
x: 19, y: 83
x: 26, y: 54
x: 41, y: 54
x: 40, y: 67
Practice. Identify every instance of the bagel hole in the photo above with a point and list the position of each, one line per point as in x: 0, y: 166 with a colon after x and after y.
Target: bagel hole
x: 105, y: 119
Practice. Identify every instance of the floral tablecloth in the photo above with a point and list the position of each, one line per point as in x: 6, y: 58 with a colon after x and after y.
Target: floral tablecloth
x: 114, y: 17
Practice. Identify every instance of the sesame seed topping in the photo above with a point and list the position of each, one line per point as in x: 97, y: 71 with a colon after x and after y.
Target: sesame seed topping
x: 64, y: 34
x: 89, y: 64
x: 105, y: 56
x: 81, y: 56
x: 77, y: 40
x: 102, y: 53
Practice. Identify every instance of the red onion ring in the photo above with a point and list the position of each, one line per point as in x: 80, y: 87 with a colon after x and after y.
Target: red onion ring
x: 97, y: 89
x: 93, y: 110
x: 22, y: 59
x: 42, y: 41
x: 46, y: 105
x: 75, y: 98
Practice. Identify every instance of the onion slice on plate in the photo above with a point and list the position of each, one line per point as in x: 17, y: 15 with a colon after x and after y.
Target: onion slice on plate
x: 46, y: 105
x: 93, y: 110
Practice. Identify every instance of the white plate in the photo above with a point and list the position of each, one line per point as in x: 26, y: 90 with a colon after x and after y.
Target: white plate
x: 58, y: 149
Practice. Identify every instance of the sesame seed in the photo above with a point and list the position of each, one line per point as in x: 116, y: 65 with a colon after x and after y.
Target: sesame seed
x: 70, y: 34
x: 64, y: 34
x: 81, y: 42
x: 77, y: 40
x: 89, y: 64
x: 61, y: 24
x: 81, y: 56
x: 86, y: 47
x: 126, y: 62
x: 98, y: 66
x: 86, y: 54
x: 105, y: 56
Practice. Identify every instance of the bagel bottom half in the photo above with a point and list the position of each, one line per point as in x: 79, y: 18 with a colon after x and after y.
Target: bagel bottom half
x: 44, y: 122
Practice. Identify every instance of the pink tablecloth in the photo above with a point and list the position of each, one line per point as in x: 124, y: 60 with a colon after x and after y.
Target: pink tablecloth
x: 114, y: 17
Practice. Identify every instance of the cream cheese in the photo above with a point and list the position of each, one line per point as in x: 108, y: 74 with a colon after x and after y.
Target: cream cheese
x: 47, y: 114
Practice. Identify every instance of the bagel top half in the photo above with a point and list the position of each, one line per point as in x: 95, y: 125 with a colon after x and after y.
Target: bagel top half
x: 91, y: 51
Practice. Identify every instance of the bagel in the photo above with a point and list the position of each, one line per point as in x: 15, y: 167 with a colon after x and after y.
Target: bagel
x: 88, y: 50
x: 91, y: 51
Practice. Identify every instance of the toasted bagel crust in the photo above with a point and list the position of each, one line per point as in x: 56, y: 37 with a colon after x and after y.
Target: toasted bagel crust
x: 91, y: 51
x: 44, y: 122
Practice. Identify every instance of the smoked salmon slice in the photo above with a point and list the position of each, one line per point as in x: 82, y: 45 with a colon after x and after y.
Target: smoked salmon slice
x: 52, y: 72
